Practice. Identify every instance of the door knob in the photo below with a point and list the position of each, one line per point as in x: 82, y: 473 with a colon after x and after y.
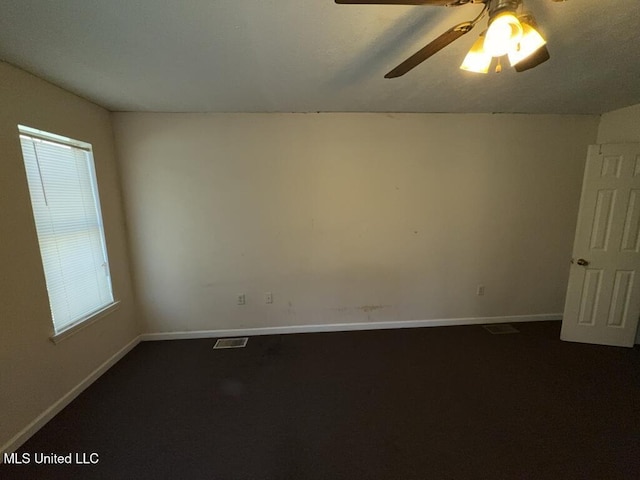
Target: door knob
x: 582, y: 262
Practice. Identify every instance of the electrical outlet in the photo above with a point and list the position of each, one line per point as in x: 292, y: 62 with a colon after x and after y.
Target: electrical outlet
x: 480, y: 290
x: 242, y: 300
x: 268, y: 297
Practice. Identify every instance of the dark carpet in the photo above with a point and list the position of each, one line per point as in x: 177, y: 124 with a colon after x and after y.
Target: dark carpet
x: 431, y: 403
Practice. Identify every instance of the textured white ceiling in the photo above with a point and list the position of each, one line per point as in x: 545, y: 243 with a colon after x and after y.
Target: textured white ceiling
x: 314, y: 55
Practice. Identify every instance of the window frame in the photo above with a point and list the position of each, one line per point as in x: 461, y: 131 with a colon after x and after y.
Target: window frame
x: 102, y: 311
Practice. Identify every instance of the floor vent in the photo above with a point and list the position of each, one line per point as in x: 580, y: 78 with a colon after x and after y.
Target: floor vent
x: 500, y: 328
x: 231, y: 343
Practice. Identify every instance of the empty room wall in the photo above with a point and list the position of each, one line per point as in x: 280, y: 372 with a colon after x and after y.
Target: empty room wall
x: 349, y: 217
x: 620, y: 126
x: 35, y: 373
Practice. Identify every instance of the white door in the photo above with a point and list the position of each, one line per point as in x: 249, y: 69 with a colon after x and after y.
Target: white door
x: 603, y: 296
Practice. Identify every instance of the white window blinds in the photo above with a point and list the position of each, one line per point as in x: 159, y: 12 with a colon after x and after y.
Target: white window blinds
x: 66, y: 209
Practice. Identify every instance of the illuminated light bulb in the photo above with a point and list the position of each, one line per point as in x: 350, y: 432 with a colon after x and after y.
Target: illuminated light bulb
x: 530, y: 43
x: 503, y: 36
x: 477, y: 60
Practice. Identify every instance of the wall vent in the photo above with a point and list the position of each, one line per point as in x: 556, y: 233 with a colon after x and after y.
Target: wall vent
x: 231, y: 343
x: 500, y: 328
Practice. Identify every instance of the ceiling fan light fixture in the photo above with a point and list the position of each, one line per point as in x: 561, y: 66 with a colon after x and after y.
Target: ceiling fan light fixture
x: 477, y: 60
x: 530, y: 43
x: 503, y: 35
x: 511, y: 32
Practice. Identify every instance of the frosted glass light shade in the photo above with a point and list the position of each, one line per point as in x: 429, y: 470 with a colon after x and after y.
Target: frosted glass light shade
x: 477, y: 60
x: 531, y: 41
x: 504, y: 33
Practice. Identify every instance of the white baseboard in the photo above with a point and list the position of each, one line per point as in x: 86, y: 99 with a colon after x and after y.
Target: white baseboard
x: 345, y: 327
x: 26, y: 433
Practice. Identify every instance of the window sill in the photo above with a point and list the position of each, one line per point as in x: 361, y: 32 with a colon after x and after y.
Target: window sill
x: 94, y: 317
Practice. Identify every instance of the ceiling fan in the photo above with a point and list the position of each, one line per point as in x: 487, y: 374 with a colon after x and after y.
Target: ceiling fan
x: 510, y: 32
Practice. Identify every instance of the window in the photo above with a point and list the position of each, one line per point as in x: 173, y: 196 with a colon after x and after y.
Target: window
x: 66, y: 209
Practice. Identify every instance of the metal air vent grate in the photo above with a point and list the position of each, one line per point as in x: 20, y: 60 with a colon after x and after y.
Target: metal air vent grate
x: 231, y: 343
x: 500, y: 328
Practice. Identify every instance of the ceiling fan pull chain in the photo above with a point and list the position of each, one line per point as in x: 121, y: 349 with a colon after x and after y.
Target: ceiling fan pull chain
x: 499, y: 66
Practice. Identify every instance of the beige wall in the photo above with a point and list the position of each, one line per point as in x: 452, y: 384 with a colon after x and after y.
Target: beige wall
x: 349, y: 217
x: 35, y: 373
x: 620, y: 126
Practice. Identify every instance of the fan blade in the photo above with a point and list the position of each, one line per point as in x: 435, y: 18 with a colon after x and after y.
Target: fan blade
x: 539, y: 56
x: 434, y: 47
x: 439, y: 3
